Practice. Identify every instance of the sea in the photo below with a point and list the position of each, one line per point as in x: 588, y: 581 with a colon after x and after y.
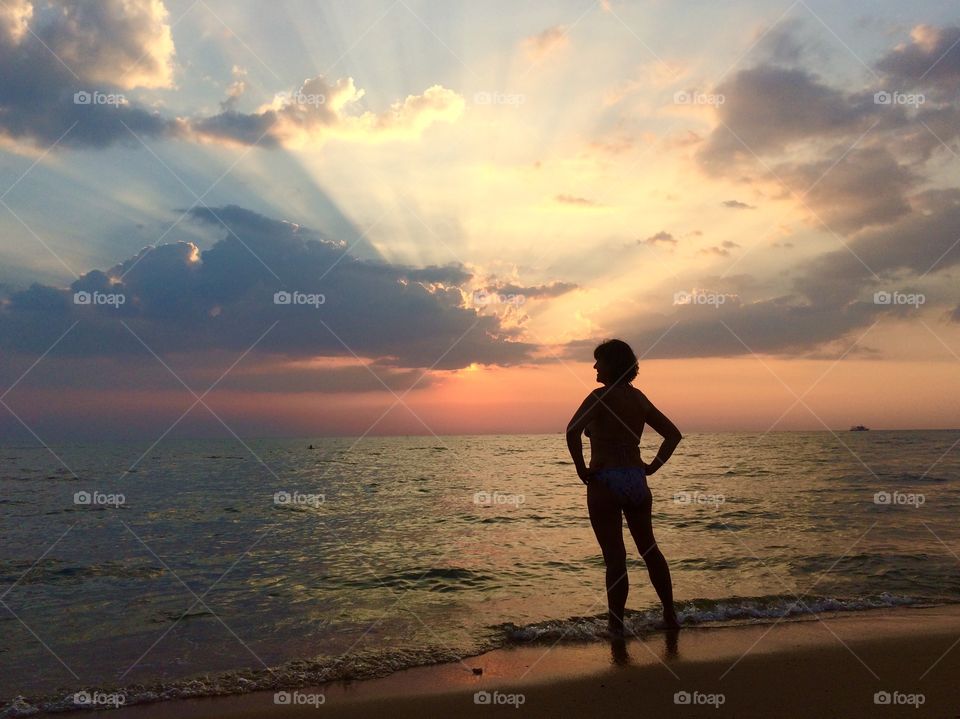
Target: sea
x: 197, y: 568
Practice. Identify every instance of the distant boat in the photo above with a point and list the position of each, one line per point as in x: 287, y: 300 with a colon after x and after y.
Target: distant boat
x: 859, y: 428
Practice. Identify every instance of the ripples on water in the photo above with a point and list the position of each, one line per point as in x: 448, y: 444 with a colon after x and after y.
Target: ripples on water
x: 397, y: 560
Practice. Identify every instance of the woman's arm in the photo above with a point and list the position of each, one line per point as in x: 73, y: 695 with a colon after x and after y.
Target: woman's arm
x: 581, y: 418
x: 666, y: 429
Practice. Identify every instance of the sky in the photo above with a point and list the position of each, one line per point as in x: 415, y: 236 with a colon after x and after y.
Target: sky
x: 365, y: 218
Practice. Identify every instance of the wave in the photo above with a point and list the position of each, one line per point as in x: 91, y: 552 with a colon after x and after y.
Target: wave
x: 371, y: 664
x: 292, y: 675
x: 696, y: 612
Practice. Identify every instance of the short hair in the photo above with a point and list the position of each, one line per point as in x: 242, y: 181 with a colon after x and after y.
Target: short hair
x: 620, y: 357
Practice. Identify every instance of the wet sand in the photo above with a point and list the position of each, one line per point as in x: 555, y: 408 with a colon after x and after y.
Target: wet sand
x: 829, y: 668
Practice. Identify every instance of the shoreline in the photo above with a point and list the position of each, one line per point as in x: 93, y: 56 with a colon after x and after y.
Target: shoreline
x: 806, y: 667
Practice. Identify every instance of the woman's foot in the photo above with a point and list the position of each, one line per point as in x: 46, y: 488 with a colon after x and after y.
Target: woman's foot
x: 615, y: 627
x: 670, y: 620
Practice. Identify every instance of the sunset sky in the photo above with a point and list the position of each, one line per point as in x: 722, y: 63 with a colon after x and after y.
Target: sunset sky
x: 461, y: 200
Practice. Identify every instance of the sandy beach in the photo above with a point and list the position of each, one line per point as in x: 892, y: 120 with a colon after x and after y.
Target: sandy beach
x: 830, y: 668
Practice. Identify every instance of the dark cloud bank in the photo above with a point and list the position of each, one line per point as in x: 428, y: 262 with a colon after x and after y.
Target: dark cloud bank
x: 180, y: 300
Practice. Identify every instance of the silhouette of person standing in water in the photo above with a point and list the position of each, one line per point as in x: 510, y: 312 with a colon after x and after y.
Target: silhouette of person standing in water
x: 613, y: 417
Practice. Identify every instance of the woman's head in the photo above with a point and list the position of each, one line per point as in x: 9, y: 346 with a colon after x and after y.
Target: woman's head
x: 615, y: 362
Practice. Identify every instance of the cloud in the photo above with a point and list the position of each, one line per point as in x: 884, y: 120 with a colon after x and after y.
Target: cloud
x: 919, y: 243
x: 574, y: 200
x: 318, y: 111
x: 106, y: 49
x: 829, y: 299
x: 50, y: 51
x: 662, y: 236
x: 542, y: 44
x: 737, y: 205
x: 553, y: 289
x: 180, y: 300
x: 723, y: 249
x: 766, y: 109
x: 858, y: 160
x: 930, y: 60
x: 865, y: 187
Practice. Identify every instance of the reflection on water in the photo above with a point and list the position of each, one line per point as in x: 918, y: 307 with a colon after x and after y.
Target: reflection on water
x: 406, y: 550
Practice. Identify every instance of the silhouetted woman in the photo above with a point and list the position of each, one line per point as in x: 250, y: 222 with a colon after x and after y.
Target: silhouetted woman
x: 613, y: 417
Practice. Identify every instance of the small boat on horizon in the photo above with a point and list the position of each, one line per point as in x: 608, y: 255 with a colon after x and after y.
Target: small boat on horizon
x: 859, y: 428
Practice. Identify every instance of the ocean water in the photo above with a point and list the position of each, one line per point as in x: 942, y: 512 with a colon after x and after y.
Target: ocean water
x: 210, y: 567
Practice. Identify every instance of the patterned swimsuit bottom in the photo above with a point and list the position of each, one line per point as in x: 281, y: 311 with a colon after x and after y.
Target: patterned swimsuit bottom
x: 627, y: 484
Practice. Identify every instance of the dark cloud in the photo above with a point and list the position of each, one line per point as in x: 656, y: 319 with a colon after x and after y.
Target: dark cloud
x: 181, y: 300
x: 929, y: 61
x: 832, y: 297
x: 920, y: 243
x: 776, y: 326
x: 554, y: 289
x: 661, y: 236
x: 863, y: 187
x: 768, y: 108
x: 98, y: 48
x: 66, y: 69
x: 737, y: 205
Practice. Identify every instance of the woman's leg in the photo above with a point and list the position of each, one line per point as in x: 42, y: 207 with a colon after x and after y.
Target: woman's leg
x: 607, y: 522
x: 641, y: 527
